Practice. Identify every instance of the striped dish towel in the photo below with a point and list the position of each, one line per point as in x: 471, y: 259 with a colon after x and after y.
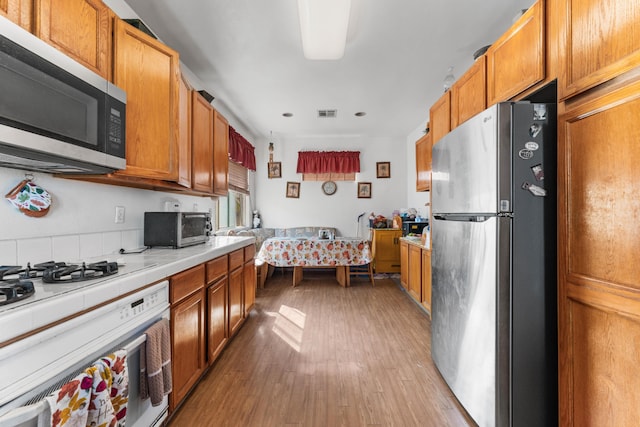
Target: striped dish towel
x: 155, y: 363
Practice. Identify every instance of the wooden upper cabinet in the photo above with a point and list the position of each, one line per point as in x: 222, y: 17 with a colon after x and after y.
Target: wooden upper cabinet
x: 423, y: 163
x: 601, y: 41
x: 516, y: 61
x: 440, y: 117
x: 202, y: 137
x: 79, y: 28
x: 148, y: 71
x: 220, y: 154
x: 18, y: 11
x: 469, y: 93
x: 184, y: 132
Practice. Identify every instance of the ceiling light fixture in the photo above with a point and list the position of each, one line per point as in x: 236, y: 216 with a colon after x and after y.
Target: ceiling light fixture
x: 323, y: 25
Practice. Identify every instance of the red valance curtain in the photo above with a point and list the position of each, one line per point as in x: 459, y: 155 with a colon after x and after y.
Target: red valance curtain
x: 328, y: 162
x: 241, y: 151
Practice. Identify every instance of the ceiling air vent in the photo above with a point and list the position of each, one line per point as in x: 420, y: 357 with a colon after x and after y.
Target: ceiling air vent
x: 327, y: 114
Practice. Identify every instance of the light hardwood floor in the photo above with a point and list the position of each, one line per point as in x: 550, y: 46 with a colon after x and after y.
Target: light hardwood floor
x: 323, y: 355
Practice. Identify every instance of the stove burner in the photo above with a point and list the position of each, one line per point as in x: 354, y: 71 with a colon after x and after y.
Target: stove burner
x: 9, y: 272
x: 14, y: 290
x: 74, y: 273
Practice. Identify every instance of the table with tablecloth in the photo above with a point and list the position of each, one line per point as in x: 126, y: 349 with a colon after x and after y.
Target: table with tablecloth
x: 339, y: 253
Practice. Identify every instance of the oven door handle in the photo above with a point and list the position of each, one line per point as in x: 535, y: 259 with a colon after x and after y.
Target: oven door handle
x: 37, y: 412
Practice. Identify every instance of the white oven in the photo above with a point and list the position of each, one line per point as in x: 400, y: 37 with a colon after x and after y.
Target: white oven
x: 35, y: 366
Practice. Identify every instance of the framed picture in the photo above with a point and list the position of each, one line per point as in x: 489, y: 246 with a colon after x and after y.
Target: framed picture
x: 364, y: 190
x: 275, y: 170
x: 383, y: 170
x: 293, y: 189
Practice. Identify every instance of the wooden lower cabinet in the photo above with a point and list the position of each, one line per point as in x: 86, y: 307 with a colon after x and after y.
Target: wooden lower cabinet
x: 426, y: 279
x: 187, y: 331
x: 415, y: 275
x: 249, y: 279
x: 217, y: 295
x: 386, y: 250
x: 236, y: 285
x: 414, y: 285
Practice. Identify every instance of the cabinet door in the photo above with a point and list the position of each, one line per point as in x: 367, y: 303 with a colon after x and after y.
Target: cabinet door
x: 184, y: 132
x: 469, y: 93
x: 220, y: 154
x: 79, y: 28
x: 414, y: 285
x: 202, y: 135
x: 599, y: 273
x: 148, y: 71
x: 426, y: 279
x: 423, y: 163
x: 386, y: 250
x: 188, y: 345
x: 217, y: 297
x: 404, y: 264
x: 516, y: 61
x: 18, y: 11
x: 601, y: 41
x: 235, y: 300
x: 440, y: 117
x: 249, y: 277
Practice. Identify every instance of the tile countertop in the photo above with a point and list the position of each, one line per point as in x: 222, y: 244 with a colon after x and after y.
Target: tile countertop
x: 150, y: 266
x: 415, y: 240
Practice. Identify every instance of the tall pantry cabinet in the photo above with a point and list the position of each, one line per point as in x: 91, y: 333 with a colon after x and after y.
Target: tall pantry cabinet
x: 599, y: 239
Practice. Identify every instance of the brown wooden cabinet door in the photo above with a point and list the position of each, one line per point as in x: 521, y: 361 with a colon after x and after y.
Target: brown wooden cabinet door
x: 188, y: 345
x: 426, y: 279
x: 79, y: 28
x: 516, y: 61
x: 404, y: 264
x: 249, y: 278
x: 235, y: 300
x: 184, y: 132
x: 415, y: 272
x: 602, y: 41
x: 148, y: 71
x: 202, y: 136
x: 217, y: 297
x: 18, y: 11
x: 440, y: 117
x: 469, y: 93
x: 220, y: 154
x: 423, y: 163
x: 386, y: 250
x: 599, y: 272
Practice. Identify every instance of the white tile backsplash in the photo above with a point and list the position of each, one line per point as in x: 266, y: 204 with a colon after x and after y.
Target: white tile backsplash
x: 8, y: 252
x: 111, y: 242
x: 90, y: 245
x: 131, y: 239
x: 34, y: 250
x: 66, y: 248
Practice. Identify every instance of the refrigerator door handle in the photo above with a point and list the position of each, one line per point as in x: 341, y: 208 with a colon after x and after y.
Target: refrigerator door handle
x: 463, y: 218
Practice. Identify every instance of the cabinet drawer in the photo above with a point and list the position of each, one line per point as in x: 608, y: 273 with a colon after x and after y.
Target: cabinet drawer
x: 236, y: 259
x: 249, y: 252
x: 185, y: 283
x: 217, y: 268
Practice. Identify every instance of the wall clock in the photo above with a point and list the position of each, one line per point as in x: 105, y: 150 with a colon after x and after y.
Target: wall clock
x: 329, y: 187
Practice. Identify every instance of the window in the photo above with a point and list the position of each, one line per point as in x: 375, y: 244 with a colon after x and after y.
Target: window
x: 234, y: 209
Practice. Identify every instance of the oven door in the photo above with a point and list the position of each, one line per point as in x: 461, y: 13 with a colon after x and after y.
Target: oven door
x: 44, y: 362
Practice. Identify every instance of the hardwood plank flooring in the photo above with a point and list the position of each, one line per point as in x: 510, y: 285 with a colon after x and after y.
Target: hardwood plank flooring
x: 322, y: 355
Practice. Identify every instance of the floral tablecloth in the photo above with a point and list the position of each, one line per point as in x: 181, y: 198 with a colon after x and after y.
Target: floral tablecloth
x: 341, y: 251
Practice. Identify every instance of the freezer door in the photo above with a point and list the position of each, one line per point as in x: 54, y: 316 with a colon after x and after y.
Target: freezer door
x: 470, y: 320
x: 466, y: 164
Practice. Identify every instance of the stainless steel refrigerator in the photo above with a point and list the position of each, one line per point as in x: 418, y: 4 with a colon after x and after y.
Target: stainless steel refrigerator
x: 494, y: 337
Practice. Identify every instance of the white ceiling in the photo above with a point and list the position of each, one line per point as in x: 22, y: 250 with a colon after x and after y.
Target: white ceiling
x: 248, y: 54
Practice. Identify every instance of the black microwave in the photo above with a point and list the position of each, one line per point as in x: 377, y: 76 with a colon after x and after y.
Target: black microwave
x: 413, y: 227
x: 56, y: 115
x: 176, y: 229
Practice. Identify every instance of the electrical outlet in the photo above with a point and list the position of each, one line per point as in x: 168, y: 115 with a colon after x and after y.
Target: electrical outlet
x: 119, y: 214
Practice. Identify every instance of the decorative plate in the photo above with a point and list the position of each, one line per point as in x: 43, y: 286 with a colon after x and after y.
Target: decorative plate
x: 329, y: 187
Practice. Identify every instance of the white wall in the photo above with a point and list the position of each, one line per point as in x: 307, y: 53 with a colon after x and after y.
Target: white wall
x: 340, y: 210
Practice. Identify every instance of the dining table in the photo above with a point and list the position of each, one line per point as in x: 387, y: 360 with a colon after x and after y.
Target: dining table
x: 340, y: 253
